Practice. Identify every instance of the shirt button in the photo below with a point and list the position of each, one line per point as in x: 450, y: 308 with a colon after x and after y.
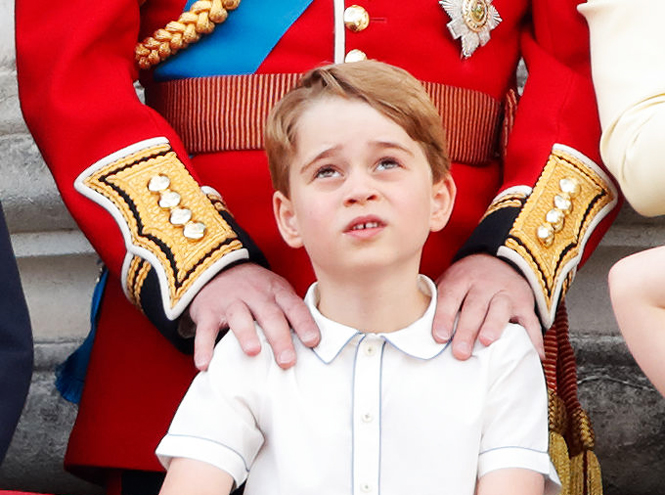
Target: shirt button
x: 365, y: 487
x: 356, y: 18
x: 367, y: 417
x: 370, y: 350
x: 355, y: 55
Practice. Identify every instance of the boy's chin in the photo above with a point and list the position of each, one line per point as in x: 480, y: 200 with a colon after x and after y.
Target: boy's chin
x: 371, y: 266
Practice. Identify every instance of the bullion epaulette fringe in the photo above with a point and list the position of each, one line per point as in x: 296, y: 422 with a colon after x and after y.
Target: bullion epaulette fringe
x: 200, y: 19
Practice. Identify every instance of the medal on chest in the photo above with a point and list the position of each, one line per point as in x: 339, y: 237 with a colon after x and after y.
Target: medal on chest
x: 471, y: 20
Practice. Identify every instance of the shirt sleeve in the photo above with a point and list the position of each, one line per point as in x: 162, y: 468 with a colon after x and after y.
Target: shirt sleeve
x: 216, y: 421
x: 515, y: 425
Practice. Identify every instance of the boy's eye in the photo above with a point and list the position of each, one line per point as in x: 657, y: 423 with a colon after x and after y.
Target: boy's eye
x: 326, y: 172
x: 387, y: 163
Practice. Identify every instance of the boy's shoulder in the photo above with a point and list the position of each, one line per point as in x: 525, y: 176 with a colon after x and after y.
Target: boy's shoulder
x: 514, y: 342
x: 229, y: 348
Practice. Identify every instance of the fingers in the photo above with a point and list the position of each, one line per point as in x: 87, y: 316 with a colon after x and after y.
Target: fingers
x: 204, y: 341
x: 491, y: 317
x: 485, y: 294
x: 530, y: 321
x: 239, y: 296
x: 299, y: 316
x: 471, y: 318
x: 241, y: 322
x: 276, y: 328
x: 448, y: 305
x: 498, y: 315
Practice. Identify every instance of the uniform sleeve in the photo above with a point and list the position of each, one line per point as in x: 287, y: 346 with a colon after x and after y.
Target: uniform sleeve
x: 216, y: 421
x: 556, y: 201
x: 629, y: 76
x: 121, y: 170
x: 515, y: 425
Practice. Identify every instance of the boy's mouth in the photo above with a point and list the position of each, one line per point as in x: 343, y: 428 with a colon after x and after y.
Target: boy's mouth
x: 365, y: 223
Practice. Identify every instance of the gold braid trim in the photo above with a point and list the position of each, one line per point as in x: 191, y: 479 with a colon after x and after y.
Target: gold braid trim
x: 201, y: 18
x: 572, y: 439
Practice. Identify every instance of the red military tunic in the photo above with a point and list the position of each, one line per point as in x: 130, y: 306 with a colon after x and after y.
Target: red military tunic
x: 99, y: 142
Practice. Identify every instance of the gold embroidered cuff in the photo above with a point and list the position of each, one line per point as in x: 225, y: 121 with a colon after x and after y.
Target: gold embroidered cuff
x: 168, y: 222
x: 547, y: 239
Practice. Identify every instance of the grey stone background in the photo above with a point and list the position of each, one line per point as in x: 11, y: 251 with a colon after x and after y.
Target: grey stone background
x: 59, y: 268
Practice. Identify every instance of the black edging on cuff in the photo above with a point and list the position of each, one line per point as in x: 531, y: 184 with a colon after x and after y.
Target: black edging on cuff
x: 151, y: 302
x: 255, y: 254
x: 490, y: 234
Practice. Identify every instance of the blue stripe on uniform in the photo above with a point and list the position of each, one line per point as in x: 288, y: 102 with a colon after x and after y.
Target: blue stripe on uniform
x: 237, y: 46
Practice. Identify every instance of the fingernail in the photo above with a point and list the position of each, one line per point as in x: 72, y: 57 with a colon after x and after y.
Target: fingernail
x: 252, y: 348
x: 310, y: 337
x: 286, y: 356
x: 442, y: 335
x: 200, y: 363
x: 464, y: 348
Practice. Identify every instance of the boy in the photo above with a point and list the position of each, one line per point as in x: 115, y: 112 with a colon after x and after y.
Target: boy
x: 357, y: 156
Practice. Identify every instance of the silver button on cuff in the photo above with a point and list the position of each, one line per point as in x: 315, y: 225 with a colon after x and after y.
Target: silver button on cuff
x: 194, y: 230
x: 180, y: 216
x: 159, y: 183
x: 169, y: 199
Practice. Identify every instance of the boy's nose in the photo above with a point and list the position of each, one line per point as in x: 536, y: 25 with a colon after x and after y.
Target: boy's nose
x: 360, y: 190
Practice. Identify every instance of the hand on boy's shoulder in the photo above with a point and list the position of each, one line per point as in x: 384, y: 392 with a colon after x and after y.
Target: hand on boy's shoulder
x: 488, y: 294
x: 238, y: 297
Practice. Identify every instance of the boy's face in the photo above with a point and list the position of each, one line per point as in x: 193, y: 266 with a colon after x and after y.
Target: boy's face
x: 361, y: 191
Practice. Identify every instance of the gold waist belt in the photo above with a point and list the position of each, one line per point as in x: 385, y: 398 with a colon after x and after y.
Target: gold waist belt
x: 224, y: 113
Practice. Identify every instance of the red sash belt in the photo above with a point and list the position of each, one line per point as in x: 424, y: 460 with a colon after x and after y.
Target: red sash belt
x: 223, y: 113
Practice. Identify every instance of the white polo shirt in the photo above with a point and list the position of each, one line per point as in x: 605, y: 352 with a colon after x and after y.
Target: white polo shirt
x: 387, y: 414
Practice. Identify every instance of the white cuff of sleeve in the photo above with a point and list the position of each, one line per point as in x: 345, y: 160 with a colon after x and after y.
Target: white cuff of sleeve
x: 521, y: 458
x: 204, y: 450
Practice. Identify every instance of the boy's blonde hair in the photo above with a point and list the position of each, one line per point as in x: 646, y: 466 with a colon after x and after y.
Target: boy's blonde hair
x: 391, y: 91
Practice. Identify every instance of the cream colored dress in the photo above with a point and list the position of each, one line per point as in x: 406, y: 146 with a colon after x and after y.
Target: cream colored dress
x: 628, y: 62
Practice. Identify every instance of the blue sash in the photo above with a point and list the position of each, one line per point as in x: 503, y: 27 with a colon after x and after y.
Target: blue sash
x: 237, y: 46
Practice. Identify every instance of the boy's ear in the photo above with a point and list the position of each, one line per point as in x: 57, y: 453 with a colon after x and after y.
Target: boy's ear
x: 443, y: 200
x: 287, y: 223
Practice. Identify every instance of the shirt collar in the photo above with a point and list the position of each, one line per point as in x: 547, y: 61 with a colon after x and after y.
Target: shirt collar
x: 414, y: 340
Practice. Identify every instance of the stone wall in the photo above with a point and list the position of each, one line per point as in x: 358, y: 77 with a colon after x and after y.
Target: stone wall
x: 59, y: 269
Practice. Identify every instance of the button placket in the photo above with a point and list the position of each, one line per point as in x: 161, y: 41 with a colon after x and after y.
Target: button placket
x: 366, y: 417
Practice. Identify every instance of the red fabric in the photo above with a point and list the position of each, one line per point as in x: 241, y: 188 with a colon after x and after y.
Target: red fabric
x: 75, y: 72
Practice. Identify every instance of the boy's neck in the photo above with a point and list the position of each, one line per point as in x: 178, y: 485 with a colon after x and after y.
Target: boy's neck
x: 373, y: 302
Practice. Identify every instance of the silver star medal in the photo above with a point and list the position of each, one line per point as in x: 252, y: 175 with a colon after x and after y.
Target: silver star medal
x: 472, y: 20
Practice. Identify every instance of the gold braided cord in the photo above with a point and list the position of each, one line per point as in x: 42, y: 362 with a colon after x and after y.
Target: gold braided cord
x: 201, y: 18
x: 572, y: 439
